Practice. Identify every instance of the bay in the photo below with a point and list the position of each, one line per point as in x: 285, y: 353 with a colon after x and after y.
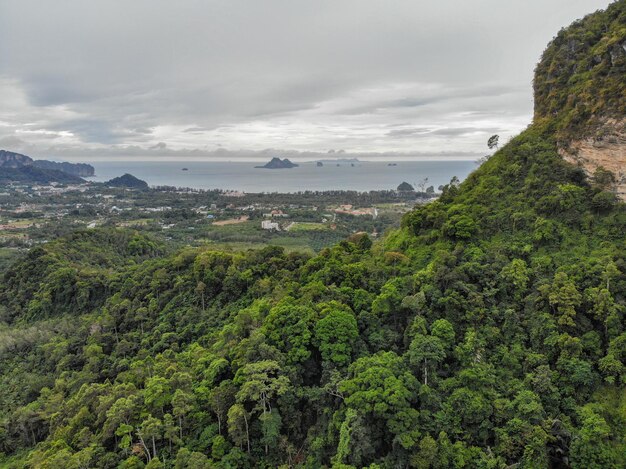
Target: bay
x: 243, y: 176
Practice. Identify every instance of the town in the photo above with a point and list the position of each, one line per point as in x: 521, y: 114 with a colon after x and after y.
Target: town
x: 32, y: 214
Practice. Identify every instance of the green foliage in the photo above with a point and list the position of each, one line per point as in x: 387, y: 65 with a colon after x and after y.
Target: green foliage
x: 335, y: 334
x: 487, y: 332
x: 580, y: 78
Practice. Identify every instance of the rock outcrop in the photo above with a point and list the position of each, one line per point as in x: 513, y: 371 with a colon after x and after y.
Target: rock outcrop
x: 607, y: 151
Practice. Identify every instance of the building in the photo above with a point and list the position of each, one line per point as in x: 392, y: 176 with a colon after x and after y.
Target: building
x: 270, y: 225
x: 276, y: 214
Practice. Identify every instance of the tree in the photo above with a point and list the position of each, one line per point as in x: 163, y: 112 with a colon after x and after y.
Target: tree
x: 493, y: 141
x: 516, y: 275
x: 288, y: 327
x: 564, y: 297
x: 150, y: 431
x: 603, y: 177
x: 157, y: 393
x: 405, y: 187
x: 427, y: 454
x: 603, y: 202
x: 171, y: 431
x: 426, y: 351
x: 381, y: 386
x: 335, y: 334
x: 221, y: 398
x: 182, y: 404
x: 186, y: 459
x: 238, y: 427
x: 199, y: 290
x: 422, y: 184
x: 591, y: 447
x: 261, y: 382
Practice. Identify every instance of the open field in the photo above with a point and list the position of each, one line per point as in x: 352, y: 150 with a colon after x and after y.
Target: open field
x: 307, y: 226
x: 232, y: 221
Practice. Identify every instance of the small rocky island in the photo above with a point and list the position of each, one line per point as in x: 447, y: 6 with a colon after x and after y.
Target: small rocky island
x: 277, y: 163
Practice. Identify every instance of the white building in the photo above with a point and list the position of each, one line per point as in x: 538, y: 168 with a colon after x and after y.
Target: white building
x: 270, y: 225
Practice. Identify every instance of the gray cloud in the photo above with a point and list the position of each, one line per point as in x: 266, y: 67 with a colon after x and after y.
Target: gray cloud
x: 111, y: 77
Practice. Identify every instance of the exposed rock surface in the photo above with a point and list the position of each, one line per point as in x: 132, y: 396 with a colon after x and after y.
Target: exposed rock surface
x: 8, y: 159
x: 607, y: 151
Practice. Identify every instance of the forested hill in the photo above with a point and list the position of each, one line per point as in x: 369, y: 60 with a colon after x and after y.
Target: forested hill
x: 488, y: 332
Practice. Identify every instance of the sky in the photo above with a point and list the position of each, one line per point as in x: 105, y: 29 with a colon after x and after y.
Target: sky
x: 104, y: 79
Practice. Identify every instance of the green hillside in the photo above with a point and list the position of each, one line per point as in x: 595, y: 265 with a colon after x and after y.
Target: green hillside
x: 488, y: 332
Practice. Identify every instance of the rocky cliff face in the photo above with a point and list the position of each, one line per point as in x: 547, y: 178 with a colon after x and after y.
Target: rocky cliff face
x: 10, y: 160
x: 606, y: 151
x: 580, y: 92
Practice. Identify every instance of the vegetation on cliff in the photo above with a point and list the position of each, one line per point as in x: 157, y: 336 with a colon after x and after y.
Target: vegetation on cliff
x: 579, y: 81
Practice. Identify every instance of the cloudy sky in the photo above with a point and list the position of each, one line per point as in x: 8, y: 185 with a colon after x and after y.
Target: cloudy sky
x: 128, y: 78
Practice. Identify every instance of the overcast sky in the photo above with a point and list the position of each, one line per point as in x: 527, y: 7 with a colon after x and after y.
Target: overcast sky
x: 82, y: 79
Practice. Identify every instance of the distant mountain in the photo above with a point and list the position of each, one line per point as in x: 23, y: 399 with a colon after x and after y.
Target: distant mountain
x: 30, y: 174
x: 76, y: 169
x: 8, y: 159
x: 128, y: 181
x: 277, y: 163
x: 15, y: 167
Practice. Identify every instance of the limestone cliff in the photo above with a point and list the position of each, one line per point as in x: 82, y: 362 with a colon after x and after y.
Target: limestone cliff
x: 606, y: 151
x: 580, y: 92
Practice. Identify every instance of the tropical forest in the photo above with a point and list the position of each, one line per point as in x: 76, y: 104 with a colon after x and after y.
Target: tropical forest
x: 487, y: 331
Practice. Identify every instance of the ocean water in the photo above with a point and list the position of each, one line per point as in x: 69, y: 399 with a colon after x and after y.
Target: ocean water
x: 243, y: 176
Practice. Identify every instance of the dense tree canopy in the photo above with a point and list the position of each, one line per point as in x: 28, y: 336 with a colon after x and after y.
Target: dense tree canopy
x: 488, y: 332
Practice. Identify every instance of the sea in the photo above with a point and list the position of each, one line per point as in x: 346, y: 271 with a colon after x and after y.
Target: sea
x: 240, y: 176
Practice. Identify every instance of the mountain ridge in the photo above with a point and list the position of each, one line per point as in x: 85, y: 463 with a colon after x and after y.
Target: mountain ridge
x: 22, y: 168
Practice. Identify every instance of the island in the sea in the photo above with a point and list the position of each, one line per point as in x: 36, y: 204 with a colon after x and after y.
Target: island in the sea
x: 339, y: 161
x: 277, y: 163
